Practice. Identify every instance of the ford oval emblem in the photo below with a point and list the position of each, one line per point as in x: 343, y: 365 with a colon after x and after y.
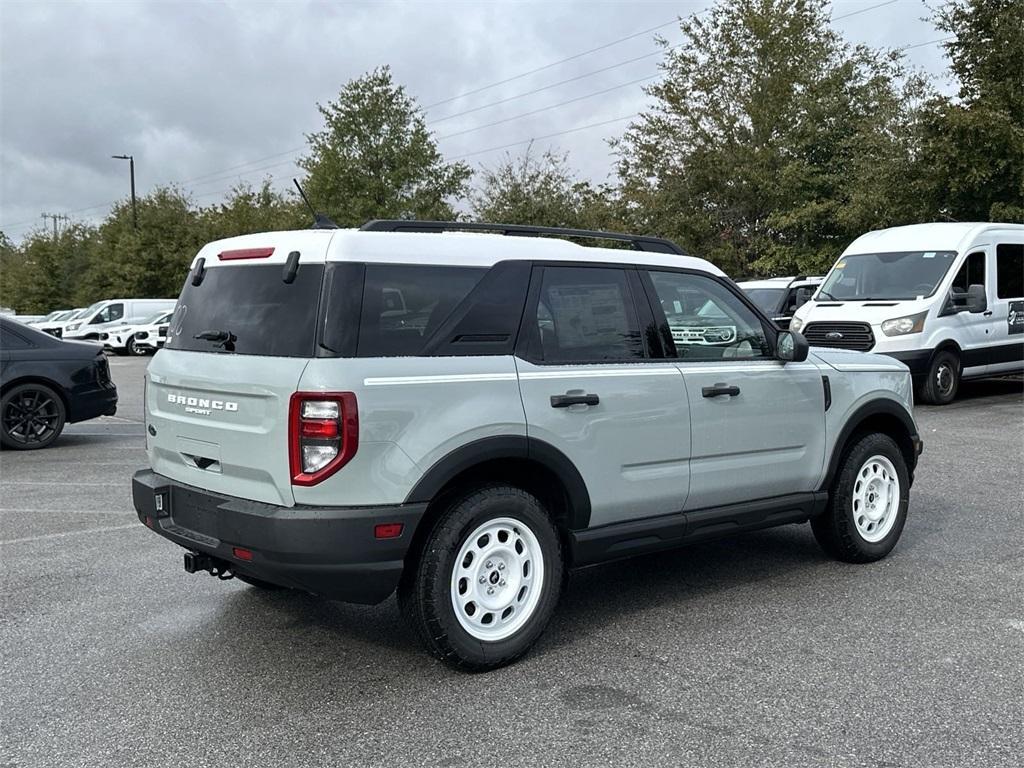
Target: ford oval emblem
x: 833, y: 335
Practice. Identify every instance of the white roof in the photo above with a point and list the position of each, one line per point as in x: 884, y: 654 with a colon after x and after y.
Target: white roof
x: 471, y: 249
x: 939, y: 236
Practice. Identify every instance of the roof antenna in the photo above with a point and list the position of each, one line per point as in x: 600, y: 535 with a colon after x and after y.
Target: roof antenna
x: 320, y: 221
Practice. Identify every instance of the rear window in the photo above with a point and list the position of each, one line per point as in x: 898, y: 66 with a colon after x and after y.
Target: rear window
x: 249, y: 310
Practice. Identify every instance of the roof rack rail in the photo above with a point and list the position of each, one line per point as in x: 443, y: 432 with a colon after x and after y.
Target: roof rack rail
x: 639, y: 242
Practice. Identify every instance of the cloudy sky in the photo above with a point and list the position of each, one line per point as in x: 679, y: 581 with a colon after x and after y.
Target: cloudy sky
x: 207, y: 94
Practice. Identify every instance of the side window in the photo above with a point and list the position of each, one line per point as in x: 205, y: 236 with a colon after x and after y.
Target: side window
x: 972, y: 272
x: 109, y: 313
x: 1010, y: 271
x: 11, y: 340
x: 586, y: 315
x: 403, y: 305
x: 706, y: 320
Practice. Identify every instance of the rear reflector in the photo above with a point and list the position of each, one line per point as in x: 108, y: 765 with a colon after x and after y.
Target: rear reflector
x: 325, y: 429
x: 242, y: 554
x: 387, y: 530
x: 245, y: 253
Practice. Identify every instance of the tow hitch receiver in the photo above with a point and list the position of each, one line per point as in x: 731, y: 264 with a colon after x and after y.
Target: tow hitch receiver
x: 196, y: 562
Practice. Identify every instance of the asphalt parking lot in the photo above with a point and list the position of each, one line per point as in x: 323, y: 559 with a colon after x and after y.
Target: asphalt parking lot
x: 751, y: 651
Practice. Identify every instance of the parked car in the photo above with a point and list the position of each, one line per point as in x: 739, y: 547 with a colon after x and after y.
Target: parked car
x: 46, y: 383
x: 104, y: 315
x: 946, y: 299
x: 128, y: 338
x: 56, y: 326
x: 524, y: 408
x: 57, y: 314
x: 780, y: 297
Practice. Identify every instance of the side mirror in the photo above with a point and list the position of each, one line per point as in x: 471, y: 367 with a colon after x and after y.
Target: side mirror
x: 803, y: 295
x: 791, y: 347
x: 977, y: 301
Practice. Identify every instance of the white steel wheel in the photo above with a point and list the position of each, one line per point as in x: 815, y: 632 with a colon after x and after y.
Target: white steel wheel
x: 497, y: 579
x: 876, y: 498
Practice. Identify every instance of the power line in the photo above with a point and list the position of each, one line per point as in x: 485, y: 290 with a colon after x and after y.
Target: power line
x: 552, y: 64
x: 864, y: 10
x: 547, y: 136
x: 545, y: 109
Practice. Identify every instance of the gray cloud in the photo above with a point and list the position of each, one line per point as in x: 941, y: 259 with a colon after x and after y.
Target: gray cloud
x: 192, y: 89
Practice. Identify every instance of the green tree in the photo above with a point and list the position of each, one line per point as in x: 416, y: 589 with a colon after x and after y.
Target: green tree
x: 542, y: 191
x: 248, y: 210
x: 42, y: 272
x: 150, y: 261
x: 771, y: 143
x: 375, y: 157
x: 972, y: 155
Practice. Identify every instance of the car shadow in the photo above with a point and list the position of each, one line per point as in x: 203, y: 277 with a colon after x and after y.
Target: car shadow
x: 979, y: 388
x: 309, y: 630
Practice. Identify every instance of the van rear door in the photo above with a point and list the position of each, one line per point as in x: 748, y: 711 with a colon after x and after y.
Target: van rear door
x: 218, y: 392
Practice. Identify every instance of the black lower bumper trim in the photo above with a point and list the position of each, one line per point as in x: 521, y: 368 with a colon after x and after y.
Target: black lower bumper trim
x: 917, y: 360
x: 329, y: 551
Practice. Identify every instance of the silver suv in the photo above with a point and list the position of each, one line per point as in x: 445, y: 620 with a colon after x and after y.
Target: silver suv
x: 464, y: 412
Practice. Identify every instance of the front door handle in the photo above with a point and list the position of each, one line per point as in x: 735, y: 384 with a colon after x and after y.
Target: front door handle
x: 564, y: 401
x: 987, y: 314
x: 720, y: 389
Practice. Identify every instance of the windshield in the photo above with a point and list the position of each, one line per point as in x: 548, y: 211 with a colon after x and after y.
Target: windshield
x: 767, y: 299
x: 870, y: 276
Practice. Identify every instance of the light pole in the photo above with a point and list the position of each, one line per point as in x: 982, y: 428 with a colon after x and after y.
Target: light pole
x: 131, y: 165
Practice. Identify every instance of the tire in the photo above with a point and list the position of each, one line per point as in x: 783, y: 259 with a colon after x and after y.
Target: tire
x: 867, y: 508
x: 133, y: 349
x: 31, y: 416
x: 259, y: 583
x: 943, y: 381
x: 504, y: 536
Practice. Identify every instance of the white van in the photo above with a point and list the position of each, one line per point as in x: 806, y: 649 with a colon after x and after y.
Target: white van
x: 945, y: 299
x: 103, y: 315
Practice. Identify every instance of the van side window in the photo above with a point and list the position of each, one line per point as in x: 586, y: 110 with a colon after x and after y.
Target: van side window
x: 972, y: 272
x: 109, y: 313
x: 1010, y: 270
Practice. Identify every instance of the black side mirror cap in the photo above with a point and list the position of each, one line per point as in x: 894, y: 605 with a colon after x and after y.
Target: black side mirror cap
x: 791, y: 347
x: 199, y: 271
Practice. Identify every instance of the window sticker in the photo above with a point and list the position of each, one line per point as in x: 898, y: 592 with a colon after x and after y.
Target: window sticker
x: 928, y: 255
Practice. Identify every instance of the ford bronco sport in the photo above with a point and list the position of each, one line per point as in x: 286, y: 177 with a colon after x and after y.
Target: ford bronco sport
x: 462, y: 416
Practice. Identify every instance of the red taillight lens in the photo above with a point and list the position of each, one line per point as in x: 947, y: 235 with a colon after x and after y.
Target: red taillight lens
x: 323, y: 434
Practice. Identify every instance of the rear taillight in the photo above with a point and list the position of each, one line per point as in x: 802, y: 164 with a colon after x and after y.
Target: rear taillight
x: 323, y: 434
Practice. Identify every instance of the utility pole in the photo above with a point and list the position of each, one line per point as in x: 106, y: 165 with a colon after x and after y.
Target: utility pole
x: 131, y: 165
x: 54, y: 217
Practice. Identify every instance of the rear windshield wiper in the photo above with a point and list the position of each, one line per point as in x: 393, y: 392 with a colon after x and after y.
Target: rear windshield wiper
x: 215, y: 335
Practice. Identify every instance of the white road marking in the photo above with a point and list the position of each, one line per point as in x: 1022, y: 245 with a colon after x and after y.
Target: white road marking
x: 46, y: 536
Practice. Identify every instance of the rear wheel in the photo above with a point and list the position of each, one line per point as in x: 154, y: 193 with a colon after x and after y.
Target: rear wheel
x: 31, y: 416
x: 868, y: 505
x: 487, y: 580
x: 943, y: 379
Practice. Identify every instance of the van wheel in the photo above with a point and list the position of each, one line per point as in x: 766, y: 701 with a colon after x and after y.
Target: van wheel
x: 868, y: 505
x: 31, y: 416
x: 943, y: 379
x: 487, y: 579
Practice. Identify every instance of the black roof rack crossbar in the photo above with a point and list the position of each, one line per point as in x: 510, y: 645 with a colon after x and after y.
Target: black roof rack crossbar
x: 639, y: 242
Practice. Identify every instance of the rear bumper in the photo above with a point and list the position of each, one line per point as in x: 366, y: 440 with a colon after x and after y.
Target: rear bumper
x: 329, y: 551
x: 92, y: 401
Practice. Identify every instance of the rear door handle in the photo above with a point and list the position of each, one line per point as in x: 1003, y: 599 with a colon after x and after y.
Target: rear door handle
x: 564, y: 401
x: 720, y: 389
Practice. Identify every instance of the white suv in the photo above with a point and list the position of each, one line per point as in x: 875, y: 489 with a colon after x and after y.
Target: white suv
x: 464, y: 416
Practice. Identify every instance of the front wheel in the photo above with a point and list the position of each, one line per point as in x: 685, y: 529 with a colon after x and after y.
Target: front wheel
x: 132, y: 348
x: 943, y: 379
x: 487, y: 580
x: 868, y: 507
